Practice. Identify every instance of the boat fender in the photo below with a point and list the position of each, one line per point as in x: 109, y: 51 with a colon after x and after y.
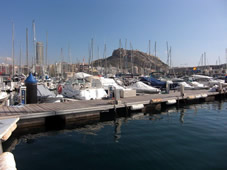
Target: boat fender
x: 137, y: 107
x: 59, y: 89
x: 171, y: 101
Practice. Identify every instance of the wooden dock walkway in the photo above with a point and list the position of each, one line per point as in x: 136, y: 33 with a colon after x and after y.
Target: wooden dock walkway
x: 79, y: 107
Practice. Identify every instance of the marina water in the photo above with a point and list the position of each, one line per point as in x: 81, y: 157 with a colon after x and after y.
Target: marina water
x: 193, y: 137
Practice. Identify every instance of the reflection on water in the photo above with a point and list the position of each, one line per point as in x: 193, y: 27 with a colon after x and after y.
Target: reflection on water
x: 117, y: 129
x: 182, y: 116
x: 195, y: 135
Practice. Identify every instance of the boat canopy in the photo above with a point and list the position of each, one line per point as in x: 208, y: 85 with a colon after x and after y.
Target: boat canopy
x: 153, y: 82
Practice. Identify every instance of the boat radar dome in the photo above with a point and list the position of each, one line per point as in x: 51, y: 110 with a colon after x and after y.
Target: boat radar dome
x: 31, y: 79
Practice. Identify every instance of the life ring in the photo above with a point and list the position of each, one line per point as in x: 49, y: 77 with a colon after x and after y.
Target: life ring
x: 59, y: 89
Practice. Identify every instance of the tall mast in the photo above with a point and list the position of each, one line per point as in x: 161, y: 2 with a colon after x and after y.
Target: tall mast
x: 13, y: 57
x: 126, y: 44
x: 202, y: 60
x: 34, y: 41
x: 155, y: 54
x: 62, y: 60
x: 105, y: 59
x: 89, y: 58
x: 92, y: 54
x: 131, y: 58
x: 46, y: 46
x: 149, y: 52
x: 126, y: 58
x: 69, y: 53
x: 149, y: 48
x: 167, y: 46
x: 98, y: 56
x: 205, y: 58
x: 155, y: 49
x: 27, y: 50
x: 20, y: 69
x: 170, y: 56
x: 120, y: 67
x: 226, y: 60
x: 70, y: 59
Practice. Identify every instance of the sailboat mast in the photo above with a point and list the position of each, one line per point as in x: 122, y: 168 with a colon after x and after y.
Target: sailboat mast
x: 155, y: 49
x: 131, y: 58
x: 20, y: 69
x: 155, y: 55
x: 202, y: 60
x: 105, y: 59
x: 46, y: 47
x: 89, y: 57
x: 27, y: 51
x: 62, y: 60
x: 13, y: 57
x: 92, y: 54
x: 98, y: 56
x: 120, y: 67
x: 70, y: 60
x: 149, y: 48
x: 205, y: 63
x: 126, y: 44
x: 34, y: 41
x: 226, y: 60
x: 170, y: 57
x: 167, y: 46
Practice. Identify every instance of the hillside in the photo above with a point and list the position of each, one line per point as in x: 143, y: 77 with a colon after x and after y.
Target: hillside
x: 140, y: 60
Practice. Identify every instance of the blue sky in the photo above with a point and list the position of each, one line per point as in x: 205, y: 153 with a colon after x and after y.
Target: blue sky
x: 190, y: 26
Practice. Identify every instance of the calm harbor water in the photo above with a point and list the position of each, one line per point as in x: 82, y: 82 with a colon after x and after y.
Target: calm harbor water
x: 194, y: 137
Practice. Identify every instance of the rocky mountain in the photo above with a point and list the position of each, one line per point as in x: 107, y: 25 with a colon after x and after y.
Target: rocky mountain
x: 128, y: 60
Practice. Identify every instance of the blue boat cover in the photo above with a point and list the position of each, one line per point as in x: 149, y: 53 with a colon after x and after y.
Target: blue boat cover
x: 154, y: 82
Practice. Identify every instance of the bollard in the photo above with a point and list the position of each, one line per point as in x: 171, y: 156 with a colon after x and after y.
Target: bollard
x: 182, y: 90
x: 167, y: 87
x: 7, y: 102
x: 117, y: 95
x: 31, y: 86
